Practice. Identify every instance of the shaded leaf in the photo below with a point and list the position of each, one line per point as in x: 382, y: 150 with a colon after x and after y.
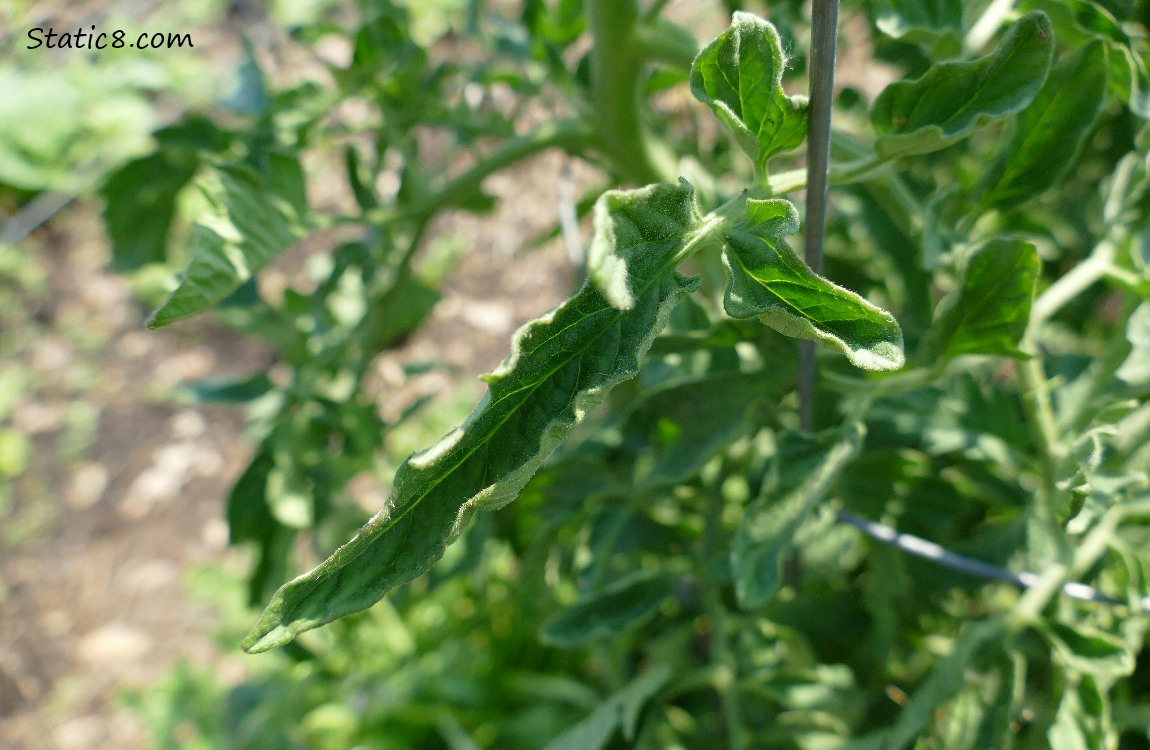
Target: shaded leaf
x: 679, y: 427
x: 624, y: 604
x: 766, y: 533
x: 620, y: 711
x: 1050, y: 132
x: 1089, y: 651
x: 767, y: 280
x: 946, y: 680
x: 740, y: 76
x: 952, y: 99
x: 561, y: 366
x: 140, y: 200
x: 253, y: 219
x: 988, y: 310
x: 230, y: 390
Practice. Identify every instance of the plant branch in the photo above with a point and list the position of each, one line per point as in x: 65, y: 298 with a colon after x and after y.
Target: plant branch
x: 616, y: 70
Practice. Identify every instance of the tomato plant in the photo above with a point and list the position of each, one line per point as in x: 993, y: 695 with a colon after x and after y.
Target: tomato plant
x: 632, y: 539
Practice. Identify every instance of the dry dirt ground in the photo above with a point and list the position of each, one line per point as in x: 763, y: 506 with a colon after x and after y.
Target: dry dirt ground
x: 121, y: 502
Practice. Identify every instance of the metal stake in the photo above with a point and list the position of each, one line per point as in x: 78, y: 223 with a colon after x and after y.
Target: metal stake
x: 824, y: 38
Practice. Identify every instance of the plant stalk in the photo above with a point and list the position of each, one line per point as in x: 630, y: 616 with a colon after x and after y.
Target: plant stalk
x: 824, y: 38
x: 616, y: 74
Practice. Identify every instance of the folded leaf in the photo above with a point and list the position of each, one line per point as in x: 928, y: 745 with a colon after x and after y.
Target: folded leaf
x: 560, y: 367
x: 769, y: 281
x: 1051, y: 130
x: 649, y: 223
x: 989, y: 308
x: 740, y: 75
x: 253, y: 219
x: 954, y: 98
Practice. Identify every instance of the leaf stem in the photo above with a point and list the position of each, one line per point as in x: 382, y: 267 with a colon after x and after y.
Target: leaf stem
x: 1073, y: 283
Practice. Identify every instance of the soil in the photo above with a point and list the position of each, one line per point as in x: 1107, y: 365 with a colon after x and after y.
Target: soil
x: 99, y: 542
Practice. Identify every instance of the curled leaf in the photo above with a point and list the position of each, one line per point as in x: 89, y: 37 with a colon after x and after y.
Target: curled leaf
x: 768, y: 281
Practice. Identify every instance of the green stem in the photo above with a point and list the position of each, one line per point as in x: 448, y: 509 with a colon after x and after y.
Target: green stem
x: 616, y: 74
x: 726, y: 673
x: 1073, y: 283
x: 1043, y: 427
x: 572, y: 136
x: 664, y: 42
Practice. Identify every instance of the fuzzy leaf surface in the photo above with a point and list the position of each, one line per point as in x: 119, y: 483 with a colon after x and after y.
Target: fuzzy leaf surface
x: 560, y: 367
x: 253, y: 219
x: 768, y: 281
x: 952, y: 99
x: 988, y: 310
x: 1050, y: 132
x: 740, y: 76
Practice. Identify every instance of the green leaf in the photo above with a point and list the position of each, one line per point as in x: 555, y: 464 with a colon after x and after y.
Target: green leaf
x: 253, y: 219
x: 767, y: 280
x: 649, y: 223
x: 952, y: 99
x: 621, y: 710
x: 1135, y: 370
x: 1089, y: 651
x: 673, y: 431
x: 560, y: 367
x: 906, y: 18
x: 1050, y: 132
x: 987, y: 311
x: 766, y: 533
x: 945, y: 681
x: 740, y: 76
x: 140, y: 200
x: 624, y: 604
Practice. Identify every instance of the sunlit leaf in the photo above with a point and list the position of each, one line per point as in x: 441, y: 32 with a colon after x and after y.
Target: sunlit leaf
x: 740, y: 76
x: 902, y: 18
x: 768, y: 281
x: 561, y: 366
x: 952, y: 99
